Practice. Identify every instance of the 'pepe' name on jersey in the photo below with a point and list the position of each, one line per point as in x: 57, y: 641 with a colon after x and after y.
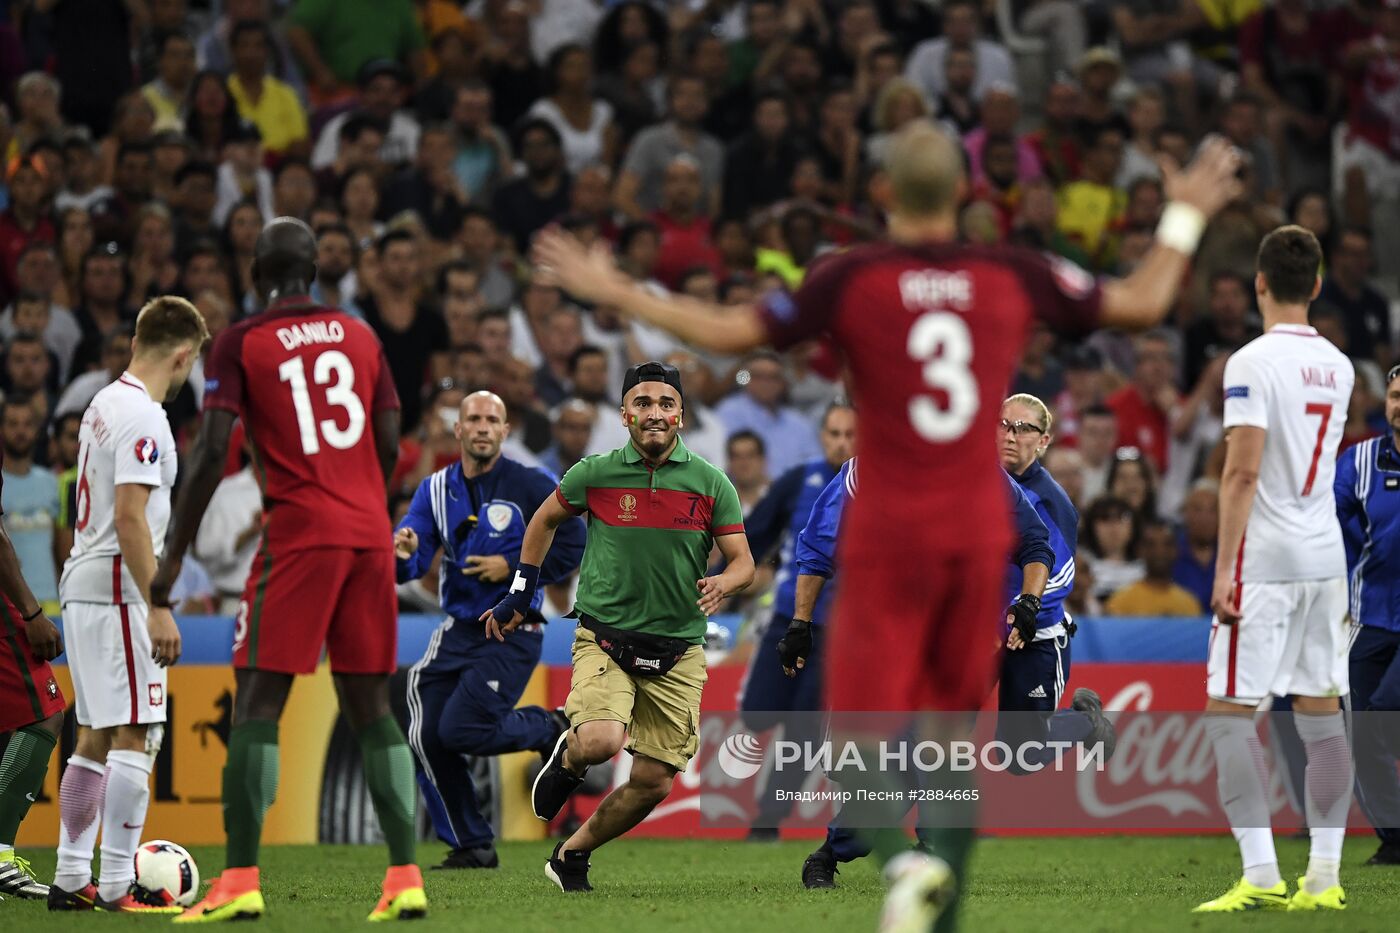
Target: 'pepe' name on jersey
x: 307, y: 333
x: 930, y: 288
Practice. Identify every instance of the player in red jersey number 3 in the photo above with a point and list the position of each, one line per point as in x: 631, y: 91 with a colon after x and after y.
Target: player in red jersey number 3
x: 931, y: 331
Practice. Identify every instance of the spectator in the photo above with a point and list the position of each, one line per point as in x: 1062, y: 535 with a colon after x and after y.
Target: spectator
x: 293, y: 189
x: 1060, y: 23
x: 1146, y: 115
x: 1229, y: 325
x: 900, y: 103
x: 205, y: 270
x: 1200, y: 523
x: 653, y: 150
x: 37, y: 97
x: 1197, y: 429
x: 195, y: 197
x: 1242, y: 125
x: 542, y: 193
x: 75, y: 241
x: 64, y: 462
x: 685, y: 231
x: 1083, y: 389
x: 210, y: 115
x: 359, y: 200
x: 1110, y: 536
x: 430, y: 188
x: 636, y: 92
x: 455, y: 55
x: 361, y: 147
x: 229, y: 535
x: 25, y: 221
x: 102, y: 309
x: 758, y: 164
x: 759, y: 407
x: 482, y: 160
x: 836, y: 145
x: 153, y: 270
x: 479, y: 243
x: 212, y: 46
x: 1066, y: 467
x: 1311, y: 209
x: 33, y: 313
x: 958, y: 107
x: 1364, y: 310
x: 584, y: 122
x: 383, y: 86
x: 336, y: 39
x: 241, y: 175
x: 962, y: 21
x: 240, y: 238
x: 1154, y: 36
x: 1155, y: 594
x: 561, y: 339
x: 800, y: 74
x: 515, y: 78
x: 572, y: 426
x: 1369, y: 161
x: 529, y: 317
x: 753, y: 57
x: 29, y: 374
x: 493, y: 334
x: 1099, y: 72
x: 31, y: 504
x: 267, y: 102
x: 530, y: 433
x: 588, y: 370
x: 1089, y: 207
x: 170, y: 152
x: 747, y: 465
x: 1001, y: 111
x: 82, y: 175
x: 336, y: 284
x: 1039, y: 374
x: 1142, y: 406
x: 1131, y: 480
x: 1057, y: 142
x: 412, y: 332
x: 1098, y: 440
x: 175, y: 73
x: 115, y: 358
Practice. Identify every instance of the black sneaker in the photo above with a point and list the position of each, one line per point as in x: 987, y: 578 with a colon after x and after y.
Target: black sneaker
x: 554, y: 783
x: 84, y: 899
x: 1101, y: 730
x: 569, y: 870
x: 819, y: 871
x: 484, y: 857
x: 1387, y: 854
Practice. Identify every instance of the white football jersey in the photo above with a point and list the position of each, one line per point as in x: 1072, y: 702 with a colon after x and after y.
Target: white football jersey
x: 125, y: 438
x: 1296, y: 386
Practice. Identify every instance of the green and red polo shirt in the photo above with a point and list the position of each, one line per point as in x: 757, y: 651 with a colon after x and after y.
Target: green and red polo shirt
x: 650, y: 531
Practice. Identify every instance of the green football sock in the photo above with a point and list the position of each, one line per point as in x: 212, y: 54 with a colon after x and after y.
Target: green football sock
x: 947, y: 829
x: 22, y: 777
x: 389, y: 775
x: 250, y: 786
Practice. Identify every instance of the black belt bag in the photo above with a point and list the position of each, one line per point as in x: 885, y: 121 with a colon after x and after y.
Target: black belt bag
x: 637, y: 653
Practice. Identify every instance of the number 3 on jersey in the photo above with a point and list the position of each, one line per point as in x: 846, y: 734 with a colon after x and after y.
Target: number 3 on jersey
x: 334, y: 370
x: 940, y: 340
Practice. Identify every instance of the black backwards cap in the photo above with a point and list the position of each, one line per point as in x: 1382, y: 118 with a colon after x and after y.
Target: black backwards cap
x: 652, y: 372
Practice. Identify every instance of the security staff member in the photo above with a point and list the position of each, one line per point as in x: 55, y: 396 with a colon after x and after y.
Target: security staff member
x: 462, y: 692
x: 1367, y: 490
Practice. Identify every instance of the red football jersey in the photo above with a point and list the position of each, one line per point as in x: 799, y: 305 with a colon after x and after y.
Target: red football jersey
x: 932, y: 335
x: 307, y: 380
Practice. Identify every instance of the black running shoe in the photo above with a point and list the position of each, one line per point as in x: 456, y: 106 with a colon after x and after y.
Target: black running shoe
x: 1100, y: 729
x: 553, y: 784
x: 1387, y: 854
x: 569, y: 870
x: 819, y: 871
x: 484, y: 857
x: 84, y: 899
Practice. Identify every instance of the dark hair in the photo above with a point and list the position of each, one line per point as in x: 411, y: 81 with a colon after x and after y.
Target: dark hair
x: 1118, y: 464
x: 139, y: 147
x: 1097, y: 411
x: 1289, y: 258
x: 357, y: 124
x: 342, y: 230
x: 30, y: 297
x: 196, y: 167
x: 476, y: 210
x: 287, y: 165
x: 166, y: 37
x: 17, y: 400
x: 609, y: 48
x: 491, y: 314
x: 227, y: 233
x: 228, y: 120
x: 634, y: 230
x: 530, y: 124
x: 840, y: 403
x: 1107, y: 507
x: 456, y: 265
x: 745, y: 435
x: 244, y: 26
x: 587, y: 349
x: 394, y: 236
x: 23, y: 337
x: 556, y: 61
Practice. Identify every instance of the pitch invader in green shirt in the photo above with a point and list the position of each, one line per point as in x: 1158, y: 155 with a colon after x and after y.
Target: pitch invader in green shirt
x: 654, y: 510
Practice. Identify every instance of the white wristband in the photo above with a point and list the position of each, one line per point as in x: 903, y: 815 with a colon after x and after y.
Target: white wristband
x: 1181, y: 227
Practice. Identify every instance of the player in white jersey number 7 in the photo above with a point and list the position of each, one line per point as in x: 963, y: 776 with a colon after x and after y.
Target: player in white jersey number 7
x: 1280, y: 596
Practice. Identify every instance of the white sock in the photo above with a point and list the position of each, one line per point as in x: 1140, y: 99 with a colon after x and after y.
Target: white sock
x: 1329, y: 778
x: 80, y: 816
x: 123, y: 816
x: 1242, y: 777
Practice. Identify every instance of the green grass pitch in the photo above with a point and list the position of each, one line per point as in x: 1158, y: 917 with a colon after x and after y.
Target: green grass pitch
x: 1020, y: 885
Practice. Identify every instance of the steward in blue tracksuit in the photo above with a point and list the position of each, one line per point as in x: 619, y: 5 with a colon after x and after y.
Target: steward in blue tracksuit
x: 1367, y: 490
x: 816, y: 552
x: 462, y: 693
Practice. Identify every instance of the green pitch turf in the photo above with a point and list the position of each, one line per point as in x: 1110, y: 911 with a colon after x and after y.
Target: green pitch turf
x: 1133, y: 884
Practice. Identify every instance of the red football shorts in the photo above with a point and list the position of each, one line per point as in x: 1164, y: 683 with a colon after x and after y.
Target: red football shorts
x: 299, y: 601
x: 28, y: 691
x: 916, y: 634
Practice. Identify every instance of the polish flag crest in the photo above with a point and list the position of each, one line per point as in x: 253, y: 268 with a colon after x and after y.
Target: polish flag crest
x: 146, y: 450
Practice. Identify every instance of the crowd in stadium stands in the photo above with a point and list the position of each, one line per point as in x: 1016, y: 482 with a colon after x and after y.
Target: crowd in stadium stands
x: 720, y: 147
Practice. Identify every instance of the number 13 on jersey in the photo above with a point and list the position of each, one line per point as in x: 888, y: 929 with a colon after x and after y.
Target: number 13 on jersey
x: 333, y: 370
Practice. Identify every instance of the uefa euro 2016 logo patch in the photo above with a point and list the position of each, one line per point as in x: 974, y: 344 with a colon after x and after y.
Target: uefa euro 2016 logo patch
x: 146, y: 450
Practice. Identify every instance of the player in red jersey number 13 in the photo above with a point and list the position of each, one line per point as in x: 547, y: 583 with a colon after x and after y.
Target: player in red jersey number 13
x: 931, y: 331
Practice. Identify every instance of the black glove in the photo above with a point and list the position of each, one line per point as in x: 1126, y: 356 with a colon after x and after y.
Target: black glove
x: 796, y: 643
x: 1023, y: 612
